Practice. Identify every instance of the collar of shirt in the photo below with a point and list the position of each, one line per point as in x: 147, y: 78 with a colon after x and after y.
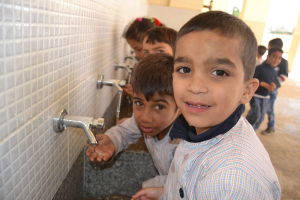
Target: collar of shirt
x: 181, y: 128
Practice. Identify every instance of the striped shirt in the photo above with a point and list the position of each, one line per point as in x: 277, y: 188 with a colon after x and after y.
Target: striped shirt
x: 234, y: 165
x: 161, y: 151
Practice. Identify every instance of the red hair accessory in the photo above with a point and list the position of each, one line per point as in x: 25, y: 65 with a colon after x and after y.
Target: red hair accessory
x: 156, y: 21
x: 139, y: 19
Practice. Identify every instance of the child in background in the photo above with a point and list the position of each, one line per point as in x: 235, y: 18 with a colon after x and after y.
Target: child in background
x: 132, y: 34
x: 135, y: 30
x: 159, y: 40
x: 261, y: 50
x: 267, y: 76
x: 154, y: 111
x: 155, y: 40
x: 220, y: 155
x: 282, y: 74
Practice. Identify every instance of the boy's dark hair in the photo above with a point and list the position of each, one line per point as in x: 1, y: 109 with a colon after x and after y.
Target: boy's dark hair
x: 261, y: 50
x: 229, y: 26
x: 276, y: 42
x: 135, y: 30
x: 161, y: 34
x: 274, y: 49
x: 153, y: 74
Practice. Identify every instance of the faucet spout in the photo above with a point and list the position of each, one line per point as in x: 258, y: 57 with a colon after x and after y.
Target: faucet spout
x: 62, y: 120
x: 118, y: 84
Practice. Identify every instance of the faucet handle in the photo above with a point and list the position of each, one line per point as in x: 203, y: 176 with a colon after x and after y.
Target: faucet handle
x: 98, y: 124
x: 122, y: 83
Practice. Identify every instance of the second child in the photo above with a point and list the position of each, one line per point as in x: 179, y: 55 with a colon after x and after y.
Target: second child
x: 154, y: 111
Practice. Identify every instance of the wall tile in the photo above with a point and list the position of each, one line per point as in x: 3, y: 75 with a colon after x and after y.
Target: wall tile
x: 50, y: 55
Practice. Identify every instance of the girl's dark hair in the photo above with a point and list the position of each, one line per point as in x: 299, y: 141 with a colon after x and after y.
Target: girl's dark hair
x: 161, y: 34
x: 153, y: 74
x: 274, y: 49
x: 135, y: 30
x: 229, y: 26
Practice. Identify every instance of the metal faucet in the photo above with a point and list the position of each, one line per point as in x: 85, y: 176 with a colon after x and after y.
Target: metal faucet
x: 118, y: 84
x: 130, y: 57
x: 62, y: 120
x: 125, y: 66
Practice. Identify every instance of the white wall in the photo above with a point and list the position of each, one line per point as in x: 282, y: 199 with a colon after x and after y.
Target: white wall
x: 172, y: 17
x: 51, y: 52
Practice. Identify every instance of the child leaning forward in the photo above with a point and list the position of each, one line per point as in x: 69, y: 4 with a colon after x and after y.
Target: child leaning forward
x: 154, y: 111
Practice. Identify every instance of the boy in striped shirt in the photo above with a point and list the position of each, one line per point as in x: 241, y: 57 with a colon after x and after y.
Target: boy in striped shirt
x: 220, y: 155
x: 154, y: 111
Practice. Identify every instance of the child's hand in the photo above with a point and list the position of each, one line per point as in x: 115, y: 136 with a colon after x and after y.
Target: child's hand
x: 151, y: 193
x: 103, y: 151
x: 273, y: 86
x: 127, y: 90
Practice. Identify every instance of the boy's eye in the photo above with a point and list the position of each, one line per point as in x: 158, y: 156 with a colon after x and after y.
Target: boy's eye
x: 219, y: 73
x: 138, y: 103
x: 184, y: 70
x: 159, y: 107
x: 160, y: 51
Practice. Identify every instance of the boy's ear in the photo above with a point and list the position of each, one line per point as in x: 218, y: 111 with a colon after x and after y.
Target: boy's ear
x: 250, y: 88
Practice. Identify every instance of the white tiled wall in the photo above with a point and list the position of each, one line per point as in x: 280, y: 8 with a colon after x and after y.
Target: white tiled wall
x: 51, y: 52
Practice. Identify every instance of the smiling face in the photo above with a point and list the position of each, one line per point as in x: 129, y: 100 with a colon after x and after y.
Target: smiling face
x: 157, y: 47
x: 274, y: 59
x: 137, y: 47
x: 208, y: 79
x: 154, y: 117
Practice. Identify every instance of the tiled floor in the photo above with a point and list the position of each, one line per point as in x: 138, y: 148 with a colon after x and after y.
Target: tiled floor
x: 284, y: 145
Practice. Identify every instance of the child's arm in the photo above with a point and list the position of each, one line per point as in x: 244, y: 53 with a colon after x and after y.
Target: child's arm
x: 124, y: 134
x: 153, y: 193
x: 269, y: 87
x: 157, y: 181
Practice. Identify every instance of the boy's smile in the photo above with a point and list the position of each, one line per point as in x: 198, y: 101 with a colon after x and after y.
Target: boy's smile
x: 154, y: 117
x: 208, y: 78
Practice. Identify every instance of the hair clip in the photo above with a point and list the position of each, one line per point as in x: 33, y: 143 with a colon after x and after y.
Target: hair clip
x: 156, y: 21
x: 139, y: 19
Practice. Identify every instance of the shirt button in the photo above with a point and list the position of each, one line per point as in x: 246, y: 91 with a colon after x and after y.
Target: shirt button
x: 181, y: 193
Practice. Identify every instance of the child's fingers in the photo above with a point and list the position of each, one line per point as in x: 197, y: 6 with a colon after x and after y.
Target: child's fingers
x: 90, y: 150
x: 139, y: 194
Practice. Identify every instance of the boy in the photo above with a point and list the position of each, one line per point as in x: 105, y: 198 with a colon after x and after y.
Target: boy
x: 220, y: 156
x: 159, y: 40
x: 155, y: 40
x: 267, y: 76
x: 282, y: 74
x: 261, y: 50
x: 154, y: 111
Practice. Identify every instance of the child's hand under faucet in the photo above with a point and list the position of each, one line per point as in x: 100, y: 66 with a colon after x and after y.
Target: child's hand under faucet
x: 127, y: 90
x: 103, y: 151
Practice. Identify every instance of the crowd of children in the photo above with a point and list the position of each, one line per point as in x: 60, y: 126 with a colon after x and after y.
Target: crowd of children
x: 189, y: 109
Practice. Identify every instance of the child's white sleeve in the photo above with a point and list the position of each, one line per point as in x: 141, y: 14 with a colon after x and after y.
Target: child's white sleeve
x: 124, y: 134
x: 158, y: 181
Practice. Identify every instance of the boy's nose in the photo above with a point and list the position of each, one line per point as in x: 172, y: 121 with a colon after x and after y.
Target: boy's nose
x: 146, y: 116
x: 197, y: 85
